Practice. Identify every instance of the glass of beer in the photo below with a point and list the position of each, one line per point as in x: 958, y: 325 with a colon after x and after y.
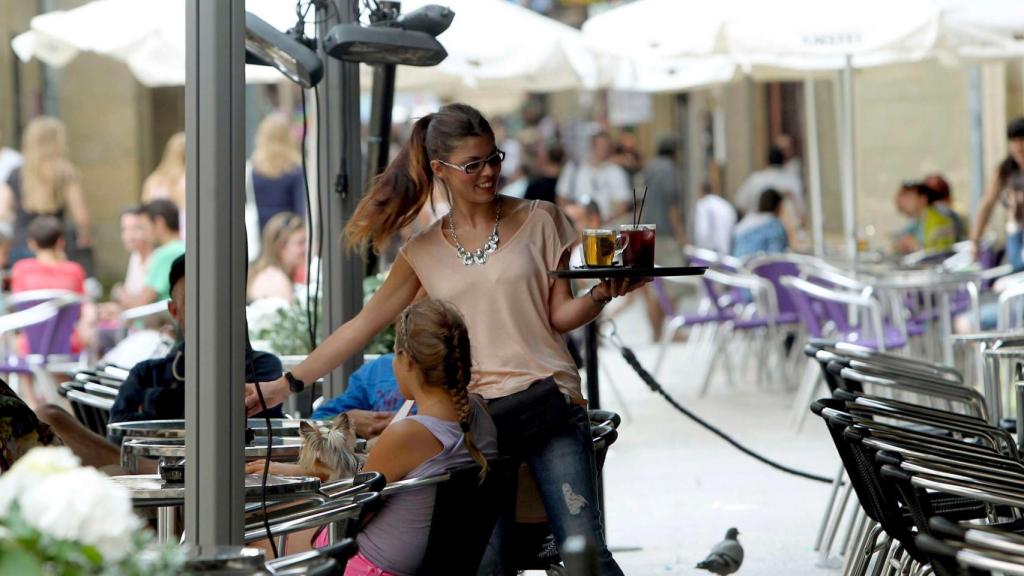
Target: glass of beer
x: 600, y: 247
x: 639, y: 249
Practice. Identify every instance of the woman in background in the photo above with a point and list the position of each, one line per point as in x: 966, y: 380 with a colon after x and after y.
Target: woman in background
x: 278, y: 182
x: 168, y: 179
x: 47, y: 184
x: 1000, y: 191
x: 284, y: 253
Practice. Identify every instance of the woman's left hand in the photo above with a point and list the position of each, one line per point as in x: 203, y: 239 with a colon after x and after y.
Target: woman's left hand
x: 276, y: 468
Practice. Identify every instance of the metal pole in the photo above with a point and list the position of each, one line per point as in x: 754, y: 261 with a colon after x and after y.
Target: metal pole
x: 590, y: 336
x: 847, y: 163
x: 16, y: 88
x: 340, y: 164
x: 382, y: 101
x: 977, y: 154
x: 215, y: 274
x: 814, y: 167
x: 590, y: 345
x: 378, y: 145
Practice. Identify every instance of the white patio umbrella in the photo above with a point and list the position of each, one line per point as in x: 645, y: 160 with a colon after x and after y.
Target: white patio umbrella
x: 1006, y: 16
x: 773, y: 39
x: 814, y: 35
x: 494, y: 48
x: 662, y: 45
x: 147, y: 35
x: 497, y: 49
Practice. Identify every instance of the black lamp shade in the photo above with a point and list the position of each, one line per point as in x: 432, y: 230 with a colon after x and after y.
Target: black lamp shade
x: 268, y: 46
x: 383, y: 45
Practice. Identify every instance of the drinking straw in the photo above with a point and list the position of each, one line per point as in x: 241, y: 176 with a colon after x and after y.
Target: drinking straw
x: 642, y: 200
x: 634, y: 207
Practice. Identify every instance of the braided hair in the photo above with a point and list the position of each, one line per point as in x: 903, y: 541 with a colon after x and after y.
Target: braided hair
x: 434, y: 335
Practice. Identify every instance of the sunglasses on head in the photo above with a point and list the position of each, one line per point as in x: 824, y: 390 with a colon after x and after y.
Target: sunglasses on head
x: 495, y: 159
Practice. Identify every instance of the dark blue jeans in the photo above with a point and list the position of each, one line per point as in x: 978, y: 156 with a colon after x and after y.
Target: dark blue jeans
x: 565, y: 472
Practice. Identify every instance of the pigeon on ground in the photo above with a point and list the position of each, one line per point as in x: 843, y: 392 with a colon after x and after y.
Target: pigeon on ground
x: 726, y: 557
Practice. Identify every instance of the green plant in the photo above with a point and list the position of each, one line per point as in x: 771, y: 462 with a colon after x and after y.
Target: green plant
x: 285, y: 329
x: 384, y: 342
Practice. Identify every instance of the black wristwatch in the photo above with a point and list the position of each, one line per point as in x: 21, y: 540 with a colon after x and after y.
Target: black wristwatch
x: 294, y: 384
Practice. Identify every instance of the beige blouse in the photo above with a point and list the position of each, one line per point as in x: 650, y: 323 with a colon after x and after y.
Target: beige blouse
x: 505, y: 302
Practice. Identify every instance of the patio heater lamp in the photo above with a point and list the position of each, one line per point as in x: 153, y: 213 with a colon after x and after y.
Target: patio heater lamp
x: 409, y: 39
x: 290, y: 52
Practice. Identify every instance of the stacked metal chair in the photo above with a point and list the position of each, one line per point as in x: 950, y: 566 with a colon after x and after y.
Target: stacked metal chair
x: 917, y: 449
x: 91, y: 394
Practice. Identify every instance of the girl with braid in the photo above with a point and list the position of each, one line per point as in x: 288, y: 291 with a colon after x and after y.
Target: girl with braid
x: 451, y: 428
x: 491, y: 256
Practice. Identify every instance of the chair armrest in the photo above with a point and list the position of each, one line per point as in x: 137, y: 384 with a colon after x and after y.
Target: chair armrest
x: 824, y: 293
x: 41, y: 296
x: 144, y: 311
x: 1003, y: 271
x: 326, y: 514
x: 100, y: 389
x: 414, y: 484
x: 90, y: 400
x: 28, y: 317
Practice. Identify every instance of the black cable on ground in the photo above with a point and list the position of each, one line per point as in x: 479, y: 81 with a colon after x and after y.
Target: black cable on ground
x: 653, y: 384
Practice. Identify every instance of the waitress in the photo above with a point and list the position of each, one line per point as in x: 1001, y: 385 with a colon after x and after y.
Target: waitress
x: 490, y: 256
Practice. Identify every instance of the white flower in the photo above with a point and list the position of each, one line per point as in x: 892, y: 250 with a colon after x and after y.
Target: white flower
x: 31, y: 468
x: 262, y: 314
x: 68, y: 502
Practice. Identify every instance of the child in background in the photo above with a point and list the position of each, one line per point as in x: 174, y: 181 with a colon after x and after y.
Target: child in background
x: 763, y: 231
x: 929, y: 229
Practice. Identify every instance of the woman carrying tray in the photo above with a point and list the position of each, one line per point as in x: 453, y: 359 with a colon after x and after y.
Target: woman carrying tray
x: 491, y: 257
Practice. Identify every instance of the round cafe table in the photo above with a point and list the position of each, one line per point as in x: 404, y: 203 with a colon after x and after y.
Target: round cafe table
x: 281, y: 427
x: 283, y: 449
x: 995, y: 356
x: 987, y: 366
x: 150, y: 490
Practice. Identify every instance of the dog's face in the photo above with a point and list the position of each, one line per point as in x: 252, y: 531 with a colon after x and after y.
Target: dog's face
x: 330, y: 454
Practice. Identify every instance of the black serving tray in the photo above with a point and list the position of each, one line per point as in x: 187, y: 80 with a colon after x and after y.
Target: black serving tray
x: 611, y: 272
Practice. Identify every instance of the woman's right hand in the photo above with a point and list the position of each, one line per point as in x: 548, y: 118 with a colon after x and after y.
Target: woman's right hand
x: 274, y: 393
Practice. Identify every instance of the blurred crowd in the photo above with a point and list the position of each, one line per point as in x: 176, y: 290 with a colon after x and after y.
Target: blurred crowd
x: 45, y: 231
x: 601, y: 179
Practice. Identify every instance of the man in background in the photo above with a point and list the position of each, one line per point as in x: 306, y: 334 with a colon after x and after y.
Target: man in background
x: 163, y: 219
x: 713, y: 221
x: 599, y: 179
x: 664, y: 204
x: 155, y: 389
x: 776, y: 177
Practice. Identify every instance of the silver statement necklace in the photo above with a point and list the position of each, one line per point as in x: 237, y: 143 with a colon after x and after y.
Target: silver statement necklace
x: 479, y: 256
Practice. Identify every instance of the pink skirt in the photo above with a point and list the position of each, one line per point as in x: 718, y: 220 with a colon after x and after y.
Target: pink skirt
x: 360, y: 566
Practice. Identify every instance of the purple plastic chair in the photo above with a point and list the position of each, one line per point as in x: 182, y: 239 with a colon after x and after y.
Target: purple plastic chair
x: 756, y: 311
x: 774, y: 270
x: 50, y: 340
x: 821, y: 305
x: 36, y: 317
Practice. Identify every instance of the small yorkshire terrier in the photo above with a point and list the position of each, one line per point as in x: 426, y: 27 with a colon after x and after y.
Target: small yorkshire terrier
x: 330, y: 454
